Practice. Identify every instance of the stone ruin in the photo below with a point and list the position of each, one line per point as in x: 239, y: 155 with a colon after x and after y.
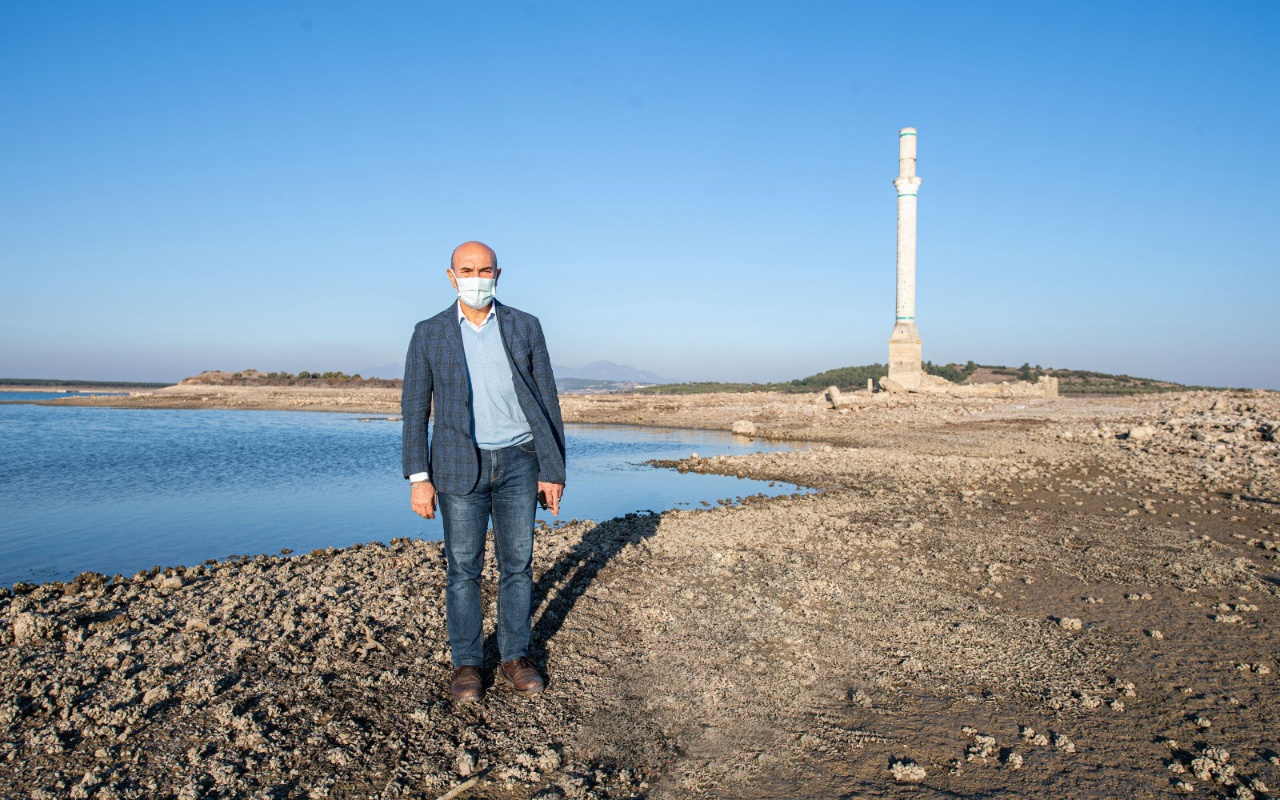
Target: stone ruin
x: 1045, y: 387
x: 906, y: 371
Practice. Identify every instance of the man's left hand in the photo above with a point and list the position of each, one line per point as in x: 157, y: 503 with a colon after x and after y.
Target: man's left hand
x: 553, y: 493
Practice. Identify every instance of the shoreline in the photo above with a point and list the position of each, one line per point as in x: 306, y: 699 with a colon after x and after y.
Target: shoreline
x: 12, y: 387
x: 64, y: 566
x: 242, y: 398
x: 1073, y: 598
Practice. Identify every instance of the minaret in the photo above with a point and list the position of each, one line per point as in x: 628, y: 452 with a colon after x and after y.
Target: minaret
x: 904, y: 343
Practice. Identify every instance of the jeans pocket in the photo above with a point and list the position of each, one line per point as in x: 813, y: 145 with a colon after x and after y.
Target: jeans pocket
x: 528, y: 448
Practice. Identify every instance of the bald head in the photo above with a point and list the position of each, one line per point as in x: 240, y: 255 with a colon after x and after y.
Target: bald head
x: 473, y: 254
x: 473, y: 260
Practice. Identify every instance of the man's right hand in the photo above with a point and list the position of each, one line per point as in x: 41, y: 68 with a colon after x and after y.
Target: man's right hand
x: 423, y: 499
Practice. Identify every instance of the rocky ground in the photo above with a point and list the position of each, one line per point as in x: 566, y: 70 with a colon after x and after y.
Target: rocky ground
x: 988, y: 598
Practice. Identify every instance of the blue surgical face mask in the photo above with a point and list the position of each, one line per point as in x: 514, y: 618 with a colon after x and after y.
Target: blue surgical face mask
x: 476, y: 292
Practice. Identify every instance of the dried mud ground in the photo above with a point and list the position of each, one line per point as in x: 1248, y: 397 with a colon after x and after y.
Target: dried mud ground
x: 987, y: 598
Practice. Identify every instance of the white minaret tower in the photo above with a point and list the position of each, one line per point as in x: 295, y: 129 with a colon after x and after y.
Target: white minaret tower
x: 904, y: 343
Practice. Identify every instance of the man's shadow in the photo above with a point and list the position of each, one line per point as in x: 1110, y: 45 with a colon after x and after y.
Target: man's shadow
x: 573, y: 574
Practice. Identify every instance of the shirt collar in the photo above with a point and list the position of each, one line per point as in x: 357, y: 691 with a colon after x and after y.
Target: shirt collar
x: 493, y: 311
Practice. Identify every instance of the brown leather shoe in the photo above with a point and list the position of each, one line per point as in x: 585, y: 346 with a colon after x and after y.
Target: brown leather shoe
x: 522, y: 675
x: 467, y: 686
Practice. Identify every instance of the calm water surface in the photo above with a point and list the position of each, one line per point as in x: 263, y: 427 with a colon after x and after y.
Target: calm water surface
x: 13, y: 397
x: 118, y: 490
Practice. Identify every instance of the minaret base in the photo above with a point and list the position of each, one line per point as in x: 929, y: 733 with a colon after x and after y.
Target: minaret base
x: 905, y: 368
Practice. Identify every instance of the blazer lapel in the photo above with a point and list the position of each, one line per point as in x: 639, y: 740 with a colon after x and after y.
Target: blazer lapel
x: 452, y: 336
x: 505, y: 327
x: 508, y: 330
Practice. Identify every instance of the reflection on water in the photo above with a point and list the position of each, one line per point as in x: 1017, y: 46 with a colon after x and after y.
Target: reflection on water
x: 26, y: 397
x: 118, y: 490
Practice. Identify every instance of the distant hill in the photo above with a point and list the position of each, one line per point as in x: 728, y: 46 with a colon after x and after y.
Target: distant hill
x: 850, y: 378
x: 607, y: 371
x: 253, y: 377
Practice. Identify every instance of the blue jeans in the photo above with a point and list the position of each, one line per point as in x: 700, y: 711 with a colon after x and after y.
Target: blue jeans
x: 507, y: 490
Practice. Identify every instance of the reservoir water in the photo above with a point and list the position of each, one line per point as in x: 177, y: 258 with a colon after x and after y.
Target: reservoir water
x: 119, y: 490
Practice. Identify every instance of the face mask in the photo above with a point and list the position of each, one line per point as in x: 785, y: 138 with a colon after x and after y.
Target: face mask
x: 476, y: 292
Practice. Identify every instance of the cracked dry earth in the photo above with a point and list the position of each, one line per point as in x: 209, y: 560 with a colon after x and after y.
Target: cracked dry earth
x: 987, y: 598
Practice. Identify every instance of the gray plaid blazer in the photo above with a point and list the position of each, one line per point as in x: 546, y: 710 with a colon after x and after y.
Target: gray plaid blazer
x: 436, y: 369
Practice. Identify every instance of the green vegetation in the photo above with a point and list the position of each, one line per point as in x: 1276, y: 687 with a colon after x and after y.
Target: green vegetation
x: 850, y: 378
x: 252, y: 377
x: 847, y: 378
x: 1079, y: 381
x: 85, y: 384
x: 314, y: 376
x: 952, y: 372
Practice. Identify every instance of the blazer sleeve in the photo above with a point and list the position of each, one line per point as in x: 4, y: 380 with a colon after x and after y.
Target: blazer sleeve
x: 545, y: 380
x: 415, y: 406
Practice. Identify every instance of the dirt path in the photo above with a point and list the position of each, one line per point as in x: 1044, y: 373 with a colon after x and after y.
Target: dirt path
x: 1022, y: 599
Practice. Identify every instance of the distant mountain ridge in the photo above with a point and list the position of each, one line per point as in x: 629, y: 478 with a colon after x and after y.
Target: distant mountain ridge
x: 607, y: 371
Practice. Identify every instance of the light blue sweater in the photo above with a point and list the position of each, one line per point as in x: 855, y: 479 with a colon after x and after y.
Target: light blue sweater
x: 497, y: 421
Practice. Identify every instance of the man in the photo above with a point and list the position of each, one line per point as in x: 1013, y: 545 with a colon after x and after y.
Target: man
x: 497, y: 448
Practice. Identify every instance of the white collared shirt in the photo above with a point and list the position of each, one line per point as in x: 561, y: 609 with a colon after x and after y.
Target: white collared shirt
x: 493, y: 311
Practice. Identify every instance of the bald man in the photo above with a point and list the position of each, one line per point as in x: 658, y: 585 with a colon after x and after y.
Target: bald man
x: 496, y: 450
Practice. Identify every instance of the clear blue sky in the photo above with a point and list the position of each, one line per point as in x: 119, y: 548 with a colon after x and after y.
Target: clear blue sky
x: 703, y: 190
